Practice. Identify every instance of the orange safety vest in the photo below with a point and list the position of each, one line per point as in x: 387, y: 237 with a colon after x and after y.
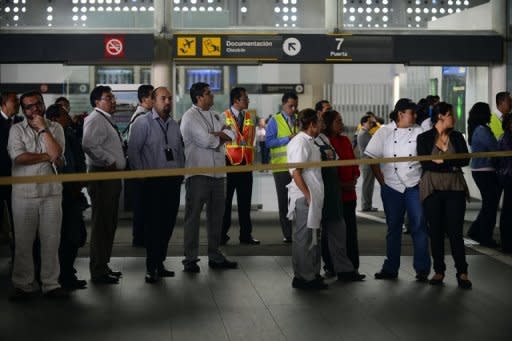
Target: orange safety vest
x: 242, y: 147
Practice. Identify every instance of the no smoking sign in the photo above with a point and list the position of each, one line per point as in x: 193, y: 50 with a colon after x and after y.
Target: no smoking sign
x: 114, y: 46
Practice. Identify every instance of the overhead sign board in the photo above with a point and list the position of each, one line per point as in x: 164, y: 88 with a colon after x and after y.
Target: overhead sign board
x: 339, y: 48
x: 273, y: 88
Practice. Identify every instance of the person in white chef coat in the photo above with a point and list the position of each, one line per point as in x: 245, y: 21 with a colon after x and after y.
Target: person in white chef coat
x: 305, y: 198
x: 399, y: 189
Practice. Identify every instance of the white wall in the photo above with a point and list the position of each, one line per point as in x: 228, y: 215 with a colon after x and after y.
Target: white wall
x: 43, y: 73
x: 365, y: 73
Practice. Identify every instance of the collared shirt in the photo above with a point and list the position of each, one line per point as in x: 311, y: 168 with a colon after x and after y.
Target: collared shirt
x: 499, y: 114
x: 101, y: 141
x: 302, y: 148
x: 24, y: 139
x: 139, y: 111
x: 4, y: 115
x: 147, y: 143
x: 271, y: 138
x: 391, y: 141
x: 203, y: 149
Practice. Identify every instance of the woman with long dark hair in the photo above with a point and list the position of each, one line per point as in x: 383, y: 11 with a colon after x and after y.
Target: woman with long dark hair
x: 443, y: 192
x: 481, y: 139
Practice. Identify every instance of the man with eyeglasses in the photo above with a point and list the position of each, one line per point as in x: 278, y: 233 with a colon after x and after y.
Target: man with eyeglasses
x: 36, y: 147
x: 204, y: 135
x: 103, y: 149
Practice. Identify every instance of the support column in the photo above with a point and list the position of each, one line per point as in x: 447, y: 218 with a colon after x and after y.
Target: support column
x: 314, y: 76
x: 161, y: 69
x: 333, y: 15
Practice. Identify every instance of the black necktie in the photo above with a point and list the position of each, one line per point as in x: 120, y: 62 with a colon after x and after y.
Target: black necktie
x: 241, y: 117
x: 9, y: 122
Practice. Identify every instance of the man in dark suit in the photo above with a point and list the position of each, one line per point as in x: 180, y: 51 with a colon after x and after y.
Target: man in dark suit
x: 10, y: 107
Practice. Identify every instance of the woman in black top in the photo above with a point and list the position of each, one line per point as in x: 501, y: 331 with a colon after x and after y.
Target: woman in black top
x: 443, y: 192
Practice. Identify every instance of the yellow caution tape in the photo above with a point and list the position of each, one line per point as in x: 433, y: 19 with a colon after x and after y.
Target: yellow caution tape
x: 152, y: 173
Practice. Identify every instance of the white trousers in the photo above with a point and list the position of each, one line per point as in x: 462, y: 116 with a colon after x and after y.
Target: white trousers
x: 33, y: 215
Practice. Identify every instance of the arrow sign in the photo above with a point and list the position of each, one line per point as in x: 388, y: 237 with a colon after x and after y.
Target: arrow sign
x: 292, y: 46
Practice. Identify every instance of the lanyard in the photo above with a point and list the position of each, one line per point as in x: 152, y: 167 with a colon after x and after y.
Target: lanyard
x: 293, y: 128
x: 164, y: 131
x: 211, y: 127
x: 112, y: 124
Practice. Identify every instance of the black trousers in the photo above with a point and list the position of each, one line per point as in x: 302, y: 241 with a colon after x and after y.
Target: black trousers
x: 490, y: 189
x: 161, y: 203
x: 506, y: 214
x: 282, y: 179
x: 73, y: 235
x: 242, y: 184
x: 444, y: 212
x: 349, y: 213
x: 138, y: 211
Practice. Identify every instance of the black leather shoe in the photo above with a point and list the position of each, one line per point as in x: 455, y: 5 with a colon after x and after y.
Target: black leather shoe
x: 463, y: 283
x: 74, y: 284
x: 163, y: 272
x: 152, y: 277
x: 105, y: 279
x: 249, y: 241
x: 287, y: 240
x: 437, y: 279
x: 224, y: 239
x: 192, y: 268
x: 386, y: 275
x: 117, y: 274
x: 57, y: 293
x: 422, y: 277
x: 225, y: 264
x: 489, y: 243
x: 351, y: 276
x: 316, y: 284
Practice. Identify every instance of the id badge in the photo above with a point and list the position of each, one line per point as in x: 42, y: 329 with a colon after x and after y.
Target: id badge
x: 169, y: 156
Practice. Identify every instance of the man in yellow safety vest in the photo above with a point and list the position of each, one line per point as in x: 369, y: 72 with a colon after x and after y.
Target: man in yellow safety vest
x: 281, y: 128
x: 504, y: 106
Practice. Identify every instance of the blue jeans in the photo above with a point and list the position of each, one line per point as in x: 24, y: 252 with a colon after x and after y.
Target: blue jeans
x: 395, y: 206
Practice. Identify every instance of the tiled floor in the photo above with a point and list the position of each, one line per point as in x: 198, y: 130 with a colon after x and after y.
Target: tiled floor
x: 256, y: 302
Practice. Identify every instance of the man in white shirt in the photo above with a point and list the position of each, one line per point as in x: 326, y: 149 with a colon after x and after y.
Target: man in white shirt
x: 204, y: 135
x: 103, y: 149
x: 306, y: 198
x: 36, y: 147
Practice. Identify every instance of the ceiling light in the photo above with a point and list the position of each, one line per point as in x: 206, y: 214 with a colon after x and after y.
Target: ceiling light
x: 368, y: 18
x: 243, y: 9
x: 285, y: 18
x: 49, y: 17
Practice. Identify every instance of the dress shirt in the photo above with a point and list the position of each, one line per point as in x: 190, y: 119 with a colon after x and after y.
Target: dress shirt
x: 4, y: 115
x: 302, y: 148
x: 146, y: 146
x: 24, y: 139
x: 271, y: 139
x: 391, y: 141
x: 101, y: 141
x: 139, y: 111
x: 202, y: 149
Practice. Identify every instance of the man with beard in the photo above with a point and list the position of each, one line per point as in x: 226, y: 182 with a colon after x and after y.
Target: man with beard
x: 155, y: 142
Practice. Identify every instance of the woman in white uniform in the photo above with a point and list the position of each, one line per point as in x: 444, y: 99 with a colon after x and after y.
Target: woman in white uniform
x: 399, y: 189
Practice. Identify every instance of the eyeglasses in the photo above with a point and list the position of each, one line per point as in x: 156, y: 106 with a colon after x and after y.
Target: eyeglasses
x: 38, y: 104
x: 110, y: 98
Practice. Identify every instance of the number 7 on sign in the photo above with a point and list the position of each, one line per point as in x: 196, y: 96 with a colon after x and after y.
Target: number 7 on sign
x: 340, y: 41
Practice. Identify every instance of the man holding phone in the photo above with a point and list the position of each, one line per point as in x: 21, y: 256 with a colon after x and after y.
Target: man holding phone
x: 155, y: 142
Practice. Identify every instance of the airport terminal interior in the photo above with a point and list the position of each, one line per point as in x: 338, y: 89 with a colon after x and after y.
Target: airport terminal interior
x: 359, y: 55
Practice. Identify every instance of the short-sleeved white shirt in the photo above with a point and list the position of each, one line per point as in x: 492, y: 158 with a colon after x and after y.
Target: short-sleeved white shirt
x: 391, y: 141
x: 302, y: 148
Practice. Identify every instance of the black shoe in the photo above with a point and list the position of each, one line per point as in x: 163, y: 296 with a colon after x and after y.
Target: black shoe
x: 152, y: 277
x: 224, y: 239
x: 74, y: 284
x: 371, y: 209
x: 316, y: 284
x: 249, y: 241
x: 192, y: 268
x: 163, y: 272
x: 57, y: 293
x: 463, y: 283
x: 225, y: 264
x: 351, y: 276
x: 287, y: 240
x: 117, y: 274
x: 105, y: 279
x: 422, y: 277
x: 329, y: 273
x: 386, y: 275
x: 490, y: 244
x: 473, y: 236
x: 18, y: 295
x: 438, y: 280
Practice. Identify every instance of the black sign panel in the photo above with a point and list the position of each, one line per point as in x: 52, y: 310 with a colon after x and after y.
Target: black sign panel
x: 341, y: 48
x: 273, y: 88
x: 75, y: 48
